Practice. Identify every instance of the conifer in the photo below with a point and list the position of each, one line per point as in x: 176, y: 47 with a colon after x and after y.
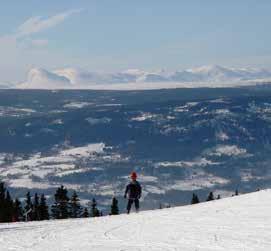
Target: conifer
x: 36, y: 205
x: 60, y: 208
x: 28, y: 208
x: 75, y: 207
x: 210, y: 196
x: 195, y: 199
x: 114, y: 207
x: 43, y: 208
x: 17, y: 211
x: 94, y: 210
x: 85, y: 213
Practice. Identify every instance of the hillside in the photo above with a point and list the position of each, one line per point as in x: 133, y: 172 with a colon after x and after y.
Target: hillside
x: 237, y: 223
x: 178, y: 141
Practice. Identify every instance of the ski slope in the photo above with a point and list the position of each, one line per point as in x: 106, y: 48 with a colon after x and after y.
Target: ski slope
x: 240, y: 223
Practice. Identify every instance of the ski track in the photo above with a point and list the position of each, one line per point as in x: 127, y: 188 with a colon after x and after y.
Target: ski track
x: 238, y: 223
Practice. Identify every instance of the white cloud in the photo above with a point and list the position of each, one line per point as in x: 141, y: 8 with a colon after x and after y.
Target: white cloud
x: 20, y: 51
x: 37, y: 24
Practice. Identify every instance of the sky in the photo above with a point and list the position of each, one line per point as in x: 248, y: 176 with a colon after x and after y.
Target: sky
x: 104, y: 35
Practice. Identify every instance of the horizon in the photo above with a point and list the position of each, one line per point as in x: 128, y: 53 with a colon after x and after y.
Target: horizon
x: 112, y: 37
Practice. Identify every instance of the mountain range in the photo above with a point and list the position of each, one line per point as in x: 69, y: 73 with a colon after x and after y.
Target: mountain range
x: 205, y: 76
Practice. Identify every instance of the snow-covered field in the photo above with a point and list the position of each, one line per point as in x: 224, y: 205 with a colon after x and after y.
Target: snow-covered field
x: 237, y: 223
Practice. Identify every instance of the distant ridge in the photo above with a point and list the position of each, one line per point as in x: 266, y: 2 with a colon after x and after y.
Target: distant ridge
x: 204, y: 76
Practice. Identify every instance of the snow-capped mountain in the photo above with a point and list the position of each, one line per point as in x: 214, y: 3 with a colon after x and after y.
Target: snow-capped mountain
x: 206, y: 76
x: 39, y: 78
x: 238, y: 223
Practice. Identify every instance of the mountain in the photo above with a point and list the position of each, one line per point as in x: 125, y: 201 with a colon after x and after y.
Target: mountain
x: 42, y: 79
x: 237, y: 223
x: 206, y: 76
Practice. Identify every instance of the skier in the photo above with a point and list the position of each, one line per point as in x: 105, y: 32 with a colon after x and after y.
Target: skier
x: 133, y: 190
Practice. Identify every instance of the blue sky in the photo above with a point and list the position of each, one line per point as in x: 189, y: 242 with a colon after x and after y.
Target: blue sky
x: 106, y: 35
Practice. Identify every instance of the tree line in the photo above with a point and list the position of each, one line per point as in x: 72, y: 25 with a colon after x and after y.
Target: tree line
x: 210, y: 197
x: 36, y: 209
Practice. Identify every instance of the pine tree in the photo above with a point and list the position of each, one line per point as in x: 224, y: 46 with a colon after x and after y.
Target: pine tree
x: 75, y: 207
x: 36, y: 205
x: 218, y: 197
x: 114, y: 207
x: 94, y: 211
x: 43, y: 208
x: 85, y: 213
x: 210, y: 196
x: 2, y: 202
x: 28, y: 208
x: 17, y: 211
x: 8, y: 207
x: 60, y: 208
x: 195, y: 199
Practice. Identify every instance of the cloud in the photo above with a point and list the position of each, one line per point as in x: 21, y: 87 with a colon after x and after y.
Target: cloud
x: 37, y: 24
x: 20, y: 51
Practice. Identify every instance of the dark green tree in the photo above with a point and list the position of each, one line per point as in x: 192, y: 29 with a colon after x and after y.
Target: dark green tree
x: 195, y: 199
x: 114, y: 207
x: 218, y: 197
x: 94, y: 210
x: 85, y: 213
x: 8, y: 207
x: 43, y: 208
x: 60, y: 208
x: 2, y: 202
x: 28, y: 208
x: 210, y: 196
x: 17, y: 211
x: 75, y: 207
x: 36, y: 205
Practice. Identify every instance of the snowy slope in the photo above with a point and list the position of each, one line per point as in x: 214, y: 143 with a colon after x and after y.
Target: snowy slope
x: 237, y: 223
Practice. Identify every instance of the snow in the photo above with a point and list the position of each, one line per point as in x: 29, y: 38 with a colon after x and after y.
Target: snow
x: 237, y: 223
x: 197, y: 182
x: 9, y: 111
x: 58, y: 165
x: 222, y: 136
x: 84, y: 151
x: 144, y: 116
x: 96, y: 121
x: 196, y: 162
x: 206, y: 76
x: 229, y: 150
x: 77, y: 105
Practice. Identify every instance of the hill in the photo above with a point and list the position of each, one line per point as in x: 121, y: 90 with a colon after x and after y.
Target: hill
x: 237, y: 223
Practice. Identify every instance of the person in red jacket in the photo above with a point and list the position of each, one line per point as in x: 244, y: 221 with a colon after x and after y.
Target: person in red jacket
x: 133, y: 193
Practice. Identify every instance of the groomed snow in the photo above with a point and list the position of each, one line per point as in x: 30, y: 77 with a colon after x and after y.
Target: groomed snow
x: 237, y: 223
